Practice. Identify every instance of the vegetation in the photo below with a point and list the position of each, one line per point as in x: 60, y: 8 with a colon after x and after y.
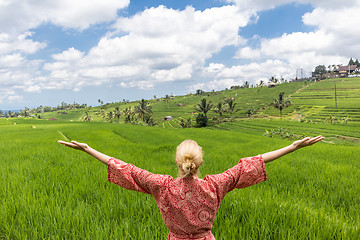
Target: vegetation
x: 203, y: 107
x: 281, y: 103
x: 50, y: 192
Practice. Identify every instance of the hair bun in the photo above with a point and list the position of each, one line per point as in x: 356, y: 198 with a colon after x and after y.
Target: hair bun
x: 188, y: 166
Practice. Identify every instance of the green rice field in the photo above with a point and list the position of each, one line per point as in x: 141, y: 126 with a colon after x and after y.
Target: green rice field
x: 48, y: 191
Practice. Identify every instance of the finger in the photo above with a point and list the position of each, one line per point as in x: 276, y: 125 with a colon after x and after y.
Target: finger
x: 76, y: 143
x: 316, y: 139
x: 305, y: 139
x: 67, y: 144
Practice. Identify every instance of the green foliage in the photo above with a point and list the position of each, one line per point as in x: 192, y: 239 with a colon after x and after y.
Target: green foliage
x: 250, y: 111
x: 186, y: 123
x: 220, y: 109
x: 231, y: 107
x: 281, y: 103
x: 201, y: 120
x: 284, y: 134
x: 87, y: 117
x: 320, y: 70
x: 203, y: 106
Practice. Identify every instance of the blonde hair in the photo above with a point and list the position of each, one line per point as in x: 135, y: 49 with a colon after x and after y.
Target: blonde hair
x: 188, y: 158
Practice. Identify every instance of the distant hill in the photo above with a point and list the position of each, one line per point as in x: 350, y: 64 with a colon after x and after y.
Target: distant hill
x: 311, y: 102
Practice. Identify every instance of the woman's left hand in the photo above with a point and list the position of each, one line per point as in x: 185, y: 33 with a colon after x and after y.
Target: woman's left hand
x: 75, y: 145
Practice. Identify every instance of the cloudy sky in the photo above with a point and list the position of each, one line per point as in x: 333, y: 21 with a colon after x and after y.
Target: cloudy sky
x: 85, y: 50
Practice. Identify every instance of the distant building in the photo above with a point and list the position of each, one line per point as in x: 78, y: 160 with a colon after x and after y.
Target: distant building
x: 168, y: 118
x: 272, y: 84
x: 345, y: 71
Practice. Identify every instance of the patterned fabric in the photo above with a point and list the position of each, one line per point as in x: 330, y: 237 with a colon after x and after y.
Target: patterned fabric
x: 188, y: 205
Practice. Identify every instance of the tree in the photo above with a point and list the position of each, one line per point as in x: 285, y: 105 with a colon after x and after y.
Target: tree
x: 199, y: 92
x: 201, y: 120
x: 231, y: 107
x: 185, y: 123
x: 281, y: 103
x: 143, y: 109
x: 167, y: 98
x: 102, y: 114
x: 261, y: 83
x: 110, y: 116
x: 246, y: 84
x: 220, y: 109
x: 117, y: 113
x: 86, y: 117
x: 250, y: 111
x: 129, y: 115
x: 320, y: 70
x: 203, y: 106
x: 357, y: 63
x: 351, y: 62
x: 273, y: 79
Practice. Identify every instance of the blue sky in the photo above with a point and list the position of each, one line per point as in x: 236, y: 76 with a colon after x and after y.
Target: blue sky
x: 81, y: 51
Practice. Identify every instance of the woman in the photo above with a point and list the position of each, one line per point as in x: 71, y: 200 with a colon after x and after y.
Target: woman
x: 188, y: 205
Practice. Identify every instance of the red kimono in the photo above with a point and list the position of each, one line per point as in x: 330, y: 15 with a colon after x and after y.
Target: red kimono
x: 188, y: 205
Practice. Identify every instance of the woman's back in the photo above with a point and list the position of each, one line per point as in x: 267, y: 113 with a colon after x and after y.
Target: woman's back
x: 188, y: 205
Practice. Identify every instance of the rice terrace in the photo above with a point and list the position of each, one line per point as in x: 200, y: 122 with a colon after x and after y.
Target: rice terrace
x: 49, y: 192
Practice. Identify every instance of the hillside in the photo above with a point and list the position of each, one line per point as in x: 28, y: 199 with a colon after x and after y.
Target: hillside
x: 184, y: 106
x: 311, y: 102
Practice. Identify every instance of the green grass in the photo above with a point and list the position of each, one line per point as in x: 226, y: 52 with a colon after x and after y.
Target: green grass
x: 48, y: 191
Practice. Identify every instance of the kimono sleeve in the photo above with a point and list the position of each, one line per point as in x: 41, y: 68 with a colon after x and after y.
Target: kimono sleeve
x: 133, y: 178
x: 249, y: 171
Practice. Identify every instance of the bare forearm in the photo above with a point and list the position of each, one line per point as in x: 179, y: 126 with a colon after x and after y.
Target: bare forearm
x: 85, y: 148
x: 98, y: 155
x: 270, y: 156
x: 305, y: 142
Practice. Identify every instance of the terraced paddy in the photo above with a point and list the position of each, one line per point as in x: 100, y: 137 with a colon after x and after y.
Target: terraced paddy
x: 51, y: 192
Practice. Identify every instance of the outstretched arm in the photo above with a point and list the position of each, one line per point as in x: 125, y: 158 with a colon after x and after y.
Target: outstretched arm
x: 270, y: 156
x: 85, y: 148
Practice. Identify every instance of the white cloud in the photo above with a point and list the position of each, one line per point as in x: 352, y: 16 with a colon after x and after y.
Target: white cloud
x: 260, y: 5
x: 17, y: 16
x: 225, y: 77
x: 156, y: 45
x: 9, y: 96
x: 166, y: 45
x: 215, y: 85
x: 19, y: 43
x: 333, y: 41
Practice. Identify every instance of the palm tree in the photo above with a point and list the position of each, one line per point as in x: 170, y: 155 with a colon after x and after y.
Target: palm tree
x: 167, y: 98
x: 110, y: 116
x: 129, y: 115
x: 203, y: 106
x: 261, y: 83
x: 117, y: 113
x: 143, y: 109
x: 220, y: 109
x: 102, y: 114
x: 246, y: 84
x: 281, y: 103
x: 231, y: 107
x: 87, y: 117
